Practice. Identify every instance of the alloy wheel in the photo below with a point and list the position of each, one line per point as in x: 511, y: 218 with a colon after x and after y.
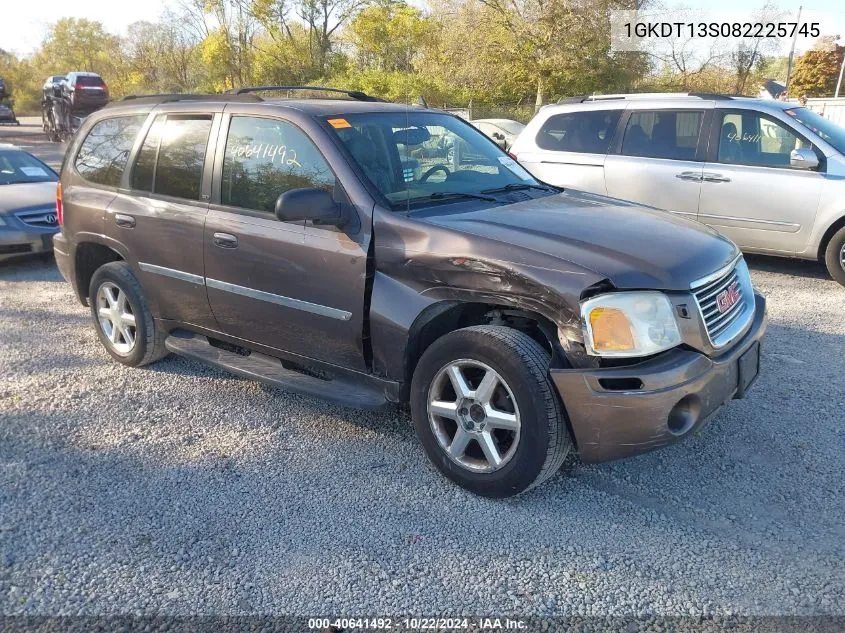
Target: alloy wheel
x: 116, y: 318
x: 474, y: 416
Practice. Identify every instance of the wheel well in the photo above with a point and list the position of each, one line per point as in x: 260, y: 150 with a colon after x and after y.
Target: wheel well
x: 828, y: 235
x: 89, y: 257
x: 450, y: 316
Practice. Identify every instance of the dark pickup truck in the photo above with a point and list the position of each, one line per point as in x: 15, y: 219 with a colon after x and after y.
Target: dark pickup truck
x: 315, y: 244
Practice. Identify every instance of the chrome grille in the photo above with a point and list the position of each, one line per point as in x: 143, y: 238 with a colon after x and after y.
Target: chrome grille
x: 717, y: 321
x: 42, y: 218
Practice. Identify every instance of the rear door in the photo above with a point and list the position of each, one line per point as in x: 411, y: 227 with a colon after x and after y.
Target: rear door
x: 160, y: 213
x: 659, y: 159
x: 285, y: 285
x: 750, y: 193
x: 569, y: 149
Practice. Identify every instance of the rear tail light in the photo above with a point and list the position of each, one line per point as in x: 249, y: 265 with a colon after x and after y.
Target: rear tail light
x: 60, y: 215
x: 77, y: 88
x: 512, y: 155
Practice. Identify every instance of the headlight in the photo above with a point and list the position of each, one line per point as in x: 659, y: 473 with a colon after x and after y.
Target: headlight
x: 629, y: 324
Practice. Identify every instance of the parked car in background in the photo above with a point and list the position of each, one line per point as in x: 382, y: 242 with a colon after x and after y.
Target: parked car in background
x: 7, y: 115
x: 4, y: 92
x: 503, y: 131
x: 290, y: 241
x: 52, y: 86
x: 27, y: 204
x: 85, y: 91
x: 768, y: 174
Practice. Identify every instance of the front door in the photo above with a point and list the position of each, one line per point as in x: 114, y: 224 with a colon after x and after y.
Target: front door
x: 659, y: 160
x: 750, y: 193
x: 160, y: 217
x: 290, y: 286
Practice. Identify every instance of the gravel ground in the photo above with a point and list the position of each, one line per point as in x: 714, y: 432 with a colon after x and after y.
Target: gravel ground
x: 179, y: 489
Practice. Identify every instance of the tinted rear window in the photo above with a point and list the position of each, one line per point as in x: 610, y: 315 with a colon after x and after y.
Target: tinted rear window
x: 587, y: 132
x: 89, y: 81
x: 663, y: 134
x: 105, y: 151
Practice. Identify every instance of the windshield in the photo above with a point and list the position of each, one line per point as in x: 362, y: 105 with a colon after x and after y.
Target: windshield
x: 19, y: 167
x: 417, y: 158
x: 825, y: 128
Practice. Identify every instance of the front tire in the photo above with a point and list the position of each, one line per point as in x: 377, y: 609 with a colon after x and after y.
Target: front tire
x: 123, y: 321
x: 834, y: 256
x: 486, y: 412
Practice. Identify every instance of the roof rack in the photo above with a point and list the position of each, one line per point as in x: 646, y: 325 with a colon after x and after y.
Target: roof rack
x: 355, y: 94
x: 646, y: 95
x: 177, y: 96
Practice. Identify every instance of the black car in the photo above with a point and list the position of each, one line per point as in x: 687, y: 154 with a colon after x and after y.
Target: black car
x: 297, y: 242
x: 85, y: 91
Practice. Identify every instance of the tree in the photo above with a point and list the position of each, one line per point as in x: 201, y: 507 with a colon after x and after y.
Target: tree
x: 817, y: 70
x: 389, y: 36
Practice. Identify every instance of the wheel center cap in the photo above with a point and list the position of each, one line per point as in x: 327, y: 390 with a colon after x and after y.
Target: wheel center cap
x: 476, y: 413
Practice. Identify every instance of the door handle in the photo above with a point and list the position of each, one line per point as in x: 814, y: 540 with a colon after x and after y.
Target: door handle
x: 126, y: 221
x: 689, y: 175
x: 225, y: 240
x: 715, y: 178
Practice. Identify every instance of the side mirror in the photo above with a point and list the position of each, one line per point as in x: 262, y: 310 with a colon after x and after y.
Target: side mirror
x: 803, y: 158
x: 316, y: 205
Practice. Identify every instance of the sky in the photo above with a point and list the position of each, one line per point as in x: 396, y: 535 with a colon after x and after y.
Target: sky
x: 21, y: 30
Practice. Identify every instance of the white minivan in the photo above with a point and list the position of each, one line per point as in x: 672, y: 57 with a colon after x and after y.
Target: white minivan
x: 768, y: 174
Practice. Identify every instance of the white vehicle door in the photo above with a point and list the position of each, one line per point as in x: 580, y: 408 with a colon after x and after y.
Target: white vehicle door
x: 750, y: 192
x: 659, y: 161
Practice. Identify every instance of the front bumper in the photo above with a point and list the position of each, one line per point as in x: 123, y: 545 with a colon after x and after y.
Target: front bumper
x: 15, y: 242
x: 679, y: 390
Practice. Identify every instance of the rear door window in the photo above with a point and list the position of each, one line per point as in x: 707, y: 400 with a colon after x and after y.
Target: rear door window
x: 588, y: 132
x: 265, y: 158
x: 181, y: 156
x: 105, y: 151
x: 663, y: 134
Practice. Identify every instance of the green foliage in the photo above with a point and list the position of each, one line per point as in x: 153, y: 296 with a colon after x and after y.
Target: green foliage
x: 817, y: 70
x: 503, y: 56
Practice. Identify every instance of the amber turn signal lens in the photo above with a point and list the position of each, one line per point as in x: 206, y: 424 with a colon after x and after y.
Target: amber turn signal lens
x: 611, y: 330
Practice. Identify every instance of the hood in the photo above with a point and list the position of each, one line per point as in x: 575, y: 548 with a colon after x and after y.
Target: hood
x: 27, y: 196
x: 631, y: 245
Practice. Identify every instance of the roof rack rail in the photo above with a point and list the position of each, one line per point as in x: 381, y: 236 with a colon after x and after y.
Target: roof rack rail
x: 355, y: 94
x: 646, y: 95
x: 179, y: 96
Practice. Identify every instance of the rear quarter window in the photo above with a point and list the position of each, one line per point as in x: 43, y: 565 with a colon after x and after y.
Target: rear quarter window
x: 104, y: 152
x: 588, y: 132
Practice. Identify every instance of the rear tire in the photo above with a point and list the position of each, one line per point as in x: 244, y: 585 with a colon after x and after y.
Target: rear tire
x: 834, y: 256
x: 524, y: 416
x: 123, y: 321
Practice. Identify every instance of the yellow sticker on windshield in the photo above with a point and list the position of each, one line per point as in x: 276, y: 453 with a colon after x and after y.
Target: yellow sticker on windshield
x: 339, y: 123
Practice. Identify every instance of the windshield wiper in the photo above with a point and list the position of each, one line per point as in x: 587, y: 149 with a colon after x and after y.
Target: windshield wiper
x: 518, y: 186
x: 442, y: 195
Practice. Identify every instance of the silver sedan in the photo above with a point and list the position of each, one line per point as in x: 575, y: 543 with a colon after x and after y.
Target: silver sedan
x: 28, y: 217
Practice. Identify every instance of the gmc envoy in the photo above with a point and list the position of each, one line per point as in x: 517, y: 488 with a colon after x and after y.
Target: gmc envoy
x: 331, y: 246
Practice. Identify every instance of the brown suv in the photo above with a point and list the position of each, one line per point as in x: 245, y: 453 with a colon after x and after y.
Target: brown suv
x: 330, y: 246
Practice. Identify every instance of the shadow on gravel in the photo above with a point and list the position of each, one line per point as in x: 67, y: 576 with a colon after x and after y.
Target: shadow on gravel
x: 30, y: 268
x: 795, y: 267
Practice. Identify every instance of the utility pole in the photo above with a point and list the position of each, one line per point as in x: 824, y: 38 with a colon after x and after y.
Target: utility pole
x: 792, y: 52
x: 841, y: 68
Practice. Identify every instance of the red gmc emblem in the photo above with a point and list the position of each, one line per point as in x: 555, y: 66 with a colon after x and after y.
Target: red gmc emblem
x: 728, y: 297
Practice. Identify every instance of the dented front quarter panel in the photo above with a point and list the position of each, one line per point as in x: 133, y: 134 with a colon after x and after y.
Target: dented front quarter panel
x: 421, y: 268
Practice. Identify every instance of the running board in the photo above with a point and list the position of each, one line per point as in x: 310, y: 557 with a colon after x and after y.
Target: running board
x: 268, y: 369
